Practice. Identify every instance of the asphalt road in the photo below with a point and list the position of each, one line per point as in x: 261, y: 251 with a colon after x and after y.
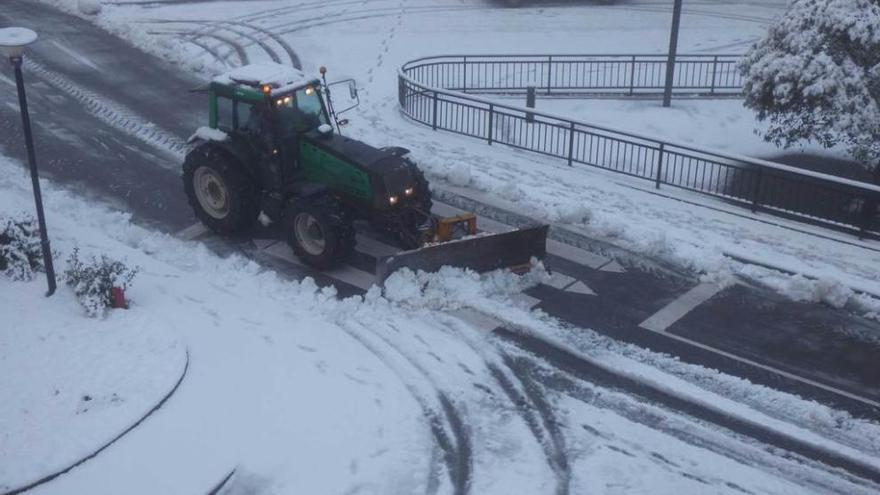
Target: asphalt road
x: 110, y: 122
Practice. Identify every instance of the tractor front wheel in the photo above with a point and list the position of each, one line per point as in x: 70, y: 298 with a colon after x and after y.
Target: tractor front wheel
x: 220, y: 191
x: 320, y: 231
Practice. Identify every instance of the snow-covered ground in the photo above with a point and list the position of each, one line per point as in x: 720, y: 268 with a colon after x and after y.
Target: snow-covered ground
x: 371, y: 40
x: 391, y: 392
x: 68, y: 383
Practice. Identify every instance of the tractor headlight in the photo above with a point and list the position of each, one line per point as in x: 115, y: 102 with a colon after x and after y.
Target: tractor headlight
x: 408, y: 191
x: 392, y: 200
x: 309, y: 90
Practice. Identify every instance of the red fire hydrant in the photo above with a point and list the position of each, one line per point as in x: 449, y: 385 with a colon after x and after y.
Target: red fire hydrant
x: 118, y: 296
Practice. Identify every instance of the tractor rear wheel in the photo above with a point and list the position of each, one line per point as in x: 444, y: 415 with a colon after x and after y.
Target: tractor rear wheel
x: 320, y: 231
x: 220, y: 191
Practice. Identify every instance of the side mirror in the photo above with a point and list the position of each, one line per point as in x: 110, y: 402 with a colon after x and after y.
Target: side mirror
x: 342, y: 105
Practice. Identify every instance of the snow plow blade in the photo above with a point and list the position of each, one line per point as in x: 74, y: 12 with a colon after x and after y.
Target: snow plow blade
x: 483, y: 253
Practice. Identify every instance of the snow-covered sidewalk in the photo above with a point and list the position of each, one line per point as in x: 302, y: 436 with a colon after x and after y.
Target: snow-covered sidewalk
x: 69, y: 384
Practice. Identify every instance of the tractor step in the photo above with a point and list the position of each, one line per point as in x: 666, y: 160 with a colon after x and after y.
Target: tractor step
x: 481, y: 253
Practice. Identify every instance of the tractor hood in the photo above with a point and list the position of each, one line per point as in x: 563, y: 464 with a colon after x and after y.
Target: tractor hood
x: 357, y: 153
x: 388, y: 173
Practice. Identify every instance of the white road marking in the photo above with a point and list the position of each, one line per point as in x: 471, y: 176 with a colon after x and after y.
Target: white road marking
x: 193, y: 231
x: 72, y: 54
x: 478, y: 320
x: 576, y: 255
x: 525, y: 300
x: 676, y: 310
x: 345, y: 273
x: 581, y: 288
x: 353, y: 276
x: 264, y: 243
x: 374, y: 248
x: 613, y: 267
x: 282, y: 251
x: 560, y: 280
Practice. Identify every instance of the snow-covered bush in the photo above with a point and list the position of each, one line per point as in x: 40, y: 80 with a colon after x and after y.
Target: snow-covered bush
x: 93, y: 281
x: 20, y: 252
x: 89, y: 7
x: 816, y: 76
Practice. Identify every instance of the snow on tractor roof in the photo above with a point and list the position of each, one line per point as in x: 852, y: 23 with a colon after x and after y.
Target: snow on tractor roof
x: 279, y: 77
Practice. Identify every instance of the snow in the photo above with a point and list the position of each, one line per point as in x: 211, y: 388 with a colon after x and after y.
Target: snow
x: 208, y: 134
x: 306, y: 392
x: 90, y: 7
x: 280, y: 77
x: 16, y: 36
x: 70, y: 383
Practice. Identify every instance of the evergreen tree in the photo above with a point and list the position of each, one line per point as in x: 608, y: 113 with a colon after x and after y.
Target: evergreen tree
x: 816, y: 77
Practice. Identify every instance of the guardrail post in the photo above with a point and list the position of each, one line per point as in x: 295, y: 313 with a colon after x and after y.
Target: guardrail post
x: 869, y: 207
x: 757, y: 192
x: 571, y: 144
x: 491, y: 126
x: 464, y: 75
x: 434, y: 117
x: 714, y: 70
x: 657, y: 179
x: 530, y: 102
x: 632, y: 75
x: 549, y: 68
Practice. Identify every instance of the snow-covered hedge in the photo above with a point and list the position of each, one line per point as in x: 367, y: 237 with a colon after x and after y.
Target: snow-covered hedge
x: 20, y: 253
x: 816, y: 76
x: 93, y: 281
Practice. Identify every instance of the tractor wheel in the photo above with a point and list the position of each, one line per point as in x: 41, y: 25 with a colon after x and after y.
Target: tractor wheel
x: 320, y: 231
x: 220, y: 191
x: 419, y: 210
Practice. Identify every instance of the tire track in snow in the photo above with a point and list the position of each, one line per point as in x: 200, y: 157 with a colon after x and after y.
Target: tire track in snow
x: 527, y: 399
x: 113, y: 114
x: 570, y: 362
x: 692, y: 431
x: 444, y: 420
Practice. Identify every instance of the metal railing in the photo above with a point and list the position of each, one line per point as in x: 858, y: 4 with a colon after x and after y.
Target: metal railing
x: 759, y: 185
x: 580, y: 75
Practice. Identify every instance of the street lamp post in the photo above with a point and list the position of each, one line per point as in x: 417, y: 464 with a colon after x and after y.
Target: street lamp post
x: 12, y: 43
x: 673, y: 49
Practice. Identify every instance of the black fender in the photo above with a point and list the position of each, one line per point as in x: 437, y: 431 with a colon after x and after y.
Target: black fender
x: 241, y: 151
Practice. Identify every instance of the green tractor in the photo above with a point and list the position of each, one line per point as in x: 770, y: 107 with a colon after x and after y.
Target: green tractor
x: 270, y: 153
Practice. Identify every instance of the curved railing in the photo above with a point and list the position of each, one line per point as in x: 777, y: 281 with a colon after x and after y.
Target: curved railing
x: 580, y: 75
x: 430, y: 92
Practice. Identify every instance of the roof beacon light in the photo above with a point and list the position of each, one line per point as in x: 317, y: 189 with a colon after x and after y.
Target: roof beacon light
x: 266, y: 89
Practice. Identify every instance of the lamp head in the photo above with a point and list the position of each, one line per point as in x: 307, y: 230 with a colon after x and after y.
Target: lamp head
x: 14, y: 39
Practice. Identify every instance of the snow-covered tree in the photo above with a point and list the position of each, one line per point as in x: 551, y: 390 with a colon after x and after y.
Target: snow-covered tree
x: 816, y: 77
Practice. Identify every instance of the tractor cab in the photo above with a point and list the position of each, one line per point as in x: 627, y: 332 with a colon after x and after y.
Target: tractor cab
x: 266, y: 99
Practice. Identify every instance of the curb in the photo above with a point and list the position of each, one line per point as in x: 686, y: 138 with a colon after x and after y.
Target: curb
x: 222, y: 483
x: 50, y: 477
